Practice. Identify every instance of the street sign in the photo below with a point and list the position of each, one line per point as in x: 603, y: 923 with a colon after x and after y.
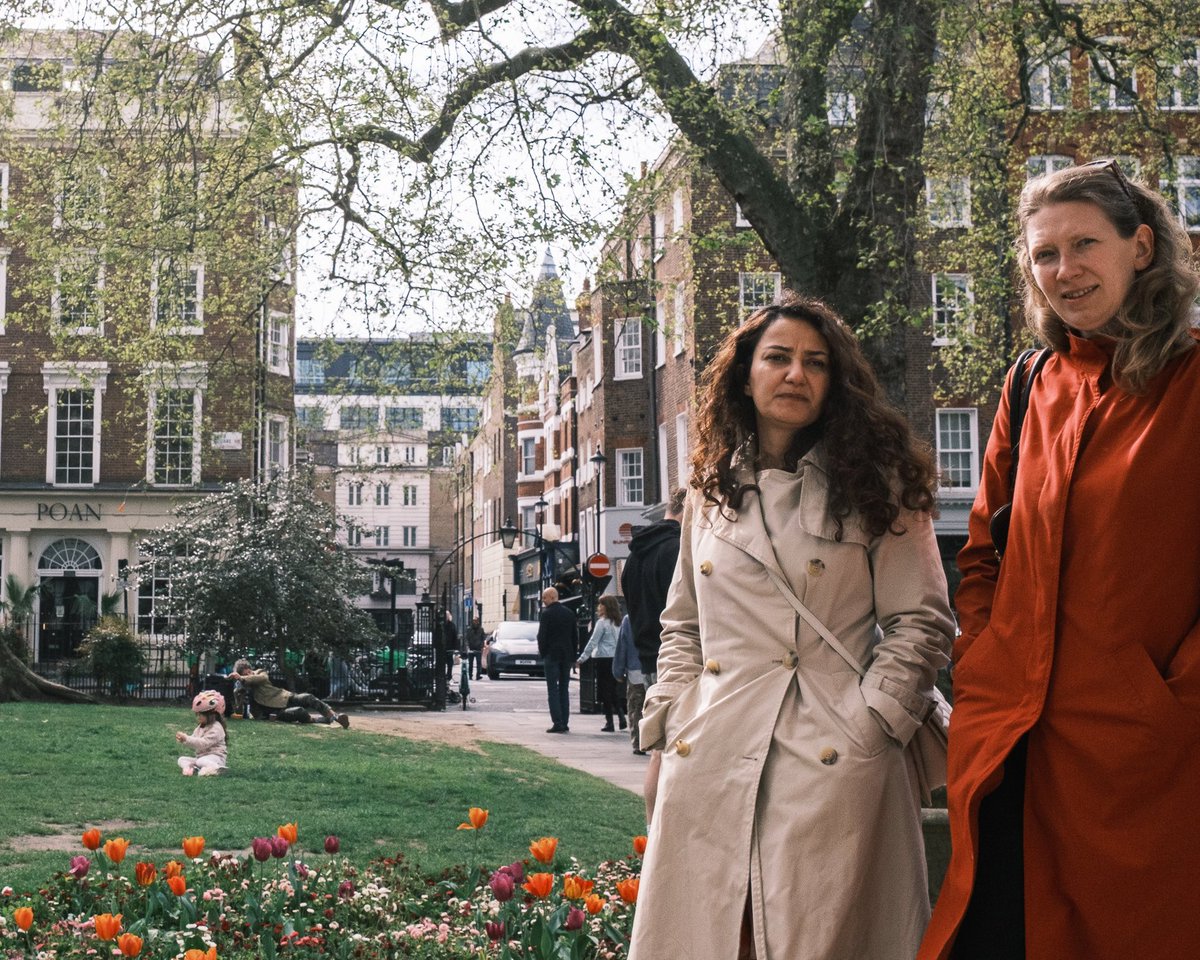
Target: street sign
x: 598, y: 565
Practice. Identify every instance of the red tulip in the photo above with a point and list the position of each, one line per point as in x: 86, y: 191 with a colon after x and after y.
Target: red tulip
x: 477, y: 817
x: 639, y: 846
x: 129, y: 944
x: 261, y: 848
x: 172, y: 868
x: 502, y: 886
x: 289, y: 832
x: 543, y: 849
x: 576, y: 888
x: 346, y: 889
x: 115, y: 849
x: 628, y: 889
x: 108, y: 926
x: 193, y: 846
x: 575, y: 918
x: 195, y: 954
x: 91, y: 839
x: 279, y: 846
x: 23, y: 918
x: 145, y: 872
x: 594, y: 903
x: 177, y: 884
x: 332, y: 845
x: 540, y: 884
x: 495, y: 930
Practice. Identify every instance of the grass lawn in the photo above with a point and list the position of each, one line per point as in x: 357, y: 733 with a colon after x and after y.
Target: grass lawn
x: 66, y: 768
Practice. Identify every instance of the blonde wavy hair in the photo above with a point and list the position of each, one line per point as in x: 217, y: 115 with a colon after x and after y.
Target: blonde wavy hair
x: 1154, y: 324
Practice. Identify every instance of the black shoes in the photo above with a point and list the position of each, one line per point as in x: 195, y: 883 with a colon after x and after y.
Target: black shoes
x: 558, y: 729
x: 607, y: 728
x: 623, y: 723
x: 640, y: 753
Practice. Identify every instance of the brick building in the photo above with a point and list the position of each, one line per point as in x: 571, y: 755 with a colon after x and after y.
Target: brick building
x: 138, y: 370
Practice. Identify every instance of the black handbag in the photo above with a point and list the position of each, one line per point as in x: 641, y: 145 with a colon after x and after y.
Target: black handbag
x: 1018, y: 405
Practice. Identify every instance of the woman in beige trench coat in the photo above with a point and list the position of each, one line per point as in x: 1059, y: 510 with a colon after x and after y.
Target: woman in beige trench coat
x: 787, y: 821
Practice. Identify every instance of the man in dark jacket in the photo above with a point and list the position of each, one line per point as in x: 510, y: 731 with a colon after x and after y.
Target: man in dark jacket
x: 646, y: 578
x: 557, y: 635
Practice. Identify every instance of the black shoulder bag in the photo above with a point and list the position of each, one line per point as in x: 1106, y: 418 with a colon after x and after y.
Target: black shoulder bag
x: 1018, y: 405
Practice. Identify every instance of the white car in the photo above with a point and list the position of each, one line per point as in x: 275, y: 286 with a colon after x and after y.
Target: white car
x: 512, y: 648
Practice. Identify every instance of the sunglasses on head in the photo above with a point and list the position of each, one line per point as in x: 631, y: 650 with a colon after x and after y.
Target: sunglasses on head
x: 1115, y: 169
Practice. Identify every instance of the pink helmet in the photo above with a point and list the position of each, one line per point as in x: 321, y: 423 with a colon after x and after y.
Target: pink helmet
x: 207, y: 700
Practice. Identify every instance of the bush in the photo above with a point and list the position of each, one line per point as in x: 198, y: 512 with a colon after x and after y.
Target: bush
x: 111, y: 651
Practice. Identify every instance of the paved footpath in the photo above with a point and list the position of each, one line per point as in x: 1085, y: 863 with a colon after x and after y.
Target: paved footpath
x: 514, y: 711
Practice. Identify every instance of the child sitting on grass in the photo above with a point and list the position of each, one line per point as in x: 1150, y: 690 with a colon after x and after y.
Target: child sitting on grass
x: 208, y: 739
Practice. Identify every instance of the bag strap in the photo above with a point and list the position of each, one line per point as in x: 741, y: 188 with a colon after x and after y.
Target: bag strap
x: 811, y: 619
x: 1018, y: 402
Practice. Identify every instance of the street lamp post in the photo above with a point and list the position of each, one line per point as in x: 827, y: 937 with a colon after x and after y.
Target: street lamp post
x: 598, y: 460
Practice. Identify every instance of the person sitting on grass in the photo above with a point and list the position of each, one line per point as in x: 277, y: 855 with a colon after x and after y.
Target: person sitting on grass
x: 270, y: 700
x: 209, y: 739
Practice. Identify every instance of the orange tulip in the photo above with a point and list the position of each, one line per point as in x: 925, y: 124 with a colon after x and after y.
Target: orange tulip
x: 177, y: 884
x: 576, y: 888
x: 594, y: 903
x: 108, y: 926
x: 91, y: 839
x: 540, y: 884
x: 289, y: 832
x: 543, y: 849
x: 129, y: 944
x: 23, y: 918
x: 172, y: 868
x: 115, y: 849
x: 193, y: 846
x: 145, y: 873
x: 477, y: 817
x: 194, y: 954
x: 639, y: 846
x: 628, y: 889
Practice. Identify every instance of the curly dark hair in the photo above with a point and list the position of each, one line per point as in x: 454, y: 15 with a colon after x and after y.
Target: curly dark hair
x: 876, y: 465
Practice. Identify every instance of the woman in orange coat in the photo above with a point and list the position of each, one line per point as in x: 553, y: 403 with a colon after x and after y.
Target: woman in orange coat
x: 1075, y: 744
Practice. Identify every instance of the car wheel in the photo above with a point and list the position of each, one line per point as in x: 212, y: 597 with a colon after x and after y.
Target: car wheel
x: 493, y: 673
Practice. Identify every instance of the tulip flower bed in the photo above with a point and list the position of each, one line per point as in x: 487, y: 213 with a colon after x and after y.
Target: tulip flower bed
x: 286, y: 899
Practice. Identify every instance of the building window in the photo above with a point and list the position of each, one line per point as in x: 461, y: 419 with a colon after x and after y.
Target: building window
x: 310, y: 373
x: 1105, y: 93
x: 1179, y: 81
x: 354, y: 494
x: 80, y: 201
x: 410, y: 454
x: 382, y: 536
x: 354, y: 534
x: 174, y: 450
x: 529, y: 456
x: 159, y: 611
x: 628, y: 350
x: 1042, y: 163
x: 74, y: 437
x: 951, y: 306
x: 310, y: 418
x: 631, y: 488
x: 679, y: 318
x: 739, y: 218
x: 4, y: 252
x: 405, y: 418
x: 677, y: 210
x: 76, y: 301
x: 39, y: 76
x: 177, y: 296
x: 1050, y: 81
x: 1182, y: 191
x: 757, y: 290
x: 842, y: 109
x: 460, y: 419
x: 409, y: 497
x: 958, y: 449
x: 383, y: 494
x: 278, y: 343
x: 660, y: 333
x: 3, y: 194
x: 358, y: 418
x: 410, y: 536
x: 660, y: 456
x: 383, y: 455
x: 277, y: 453
x: 948, y: 201
x: 681, y: 452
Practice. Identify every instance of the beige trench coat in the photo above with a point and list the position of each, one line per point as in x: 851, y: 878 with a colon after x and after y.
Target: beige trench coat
x: 782, y: 775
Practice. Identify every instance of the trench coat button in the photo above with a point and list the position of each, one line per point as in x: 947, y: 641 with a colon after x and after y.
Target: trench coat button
x: 829, y: 756
x: 705, y: 567
x: 816, y: 567
x: 712, y: 666
x: 682, y: 748
x: 790, y: 660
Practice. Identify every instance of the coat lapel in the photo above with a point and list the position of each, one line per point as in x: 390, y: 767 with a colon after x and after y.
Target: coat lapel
x: 747, y: 531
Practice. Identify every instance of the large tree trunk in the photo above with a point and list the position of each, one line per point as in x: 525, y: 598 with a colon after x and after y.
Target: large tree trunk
x: 18, y: 682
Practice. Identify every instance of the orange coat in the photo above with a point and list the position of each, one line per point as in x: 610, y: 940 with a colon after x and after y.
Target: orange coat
x: 1088, y: 638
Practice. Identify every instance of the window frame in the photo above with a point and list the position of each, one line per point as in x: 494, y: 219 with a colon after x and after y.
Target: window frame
x: 185, y: 378
x: 73, y: 262
x: 747, y: 277
x: 194, y: 265
x: 973, y: 452
x: 625, y: 456
x: 945, y: 339
x: 948, y: 201
x: 1111, y: 101
x: 1169, y: 75
x: 278, y: 349
x: 60, y: 376
x: 1048, y: 62
x: 628, y: 361
x: 1176, y: 189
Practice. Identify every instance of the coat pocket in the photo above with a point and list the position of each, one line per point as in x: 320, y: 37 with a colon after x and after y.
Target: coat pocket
x: 1163, y: 711
x: 849, y: 711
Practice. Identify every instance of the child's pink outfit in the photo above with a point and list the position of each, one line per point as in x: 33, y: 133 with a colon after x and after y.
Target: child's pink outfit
x: 209, y: 744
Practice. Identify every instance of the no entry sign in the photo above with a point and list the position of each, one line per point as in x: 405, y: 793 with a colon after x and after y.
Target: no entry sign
x: 598, y: 565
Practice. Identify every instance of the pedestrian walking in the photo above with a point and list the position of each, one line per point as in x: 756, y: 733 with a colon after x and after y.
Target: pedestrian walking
x: 474, y: 640
x: 556, y: 639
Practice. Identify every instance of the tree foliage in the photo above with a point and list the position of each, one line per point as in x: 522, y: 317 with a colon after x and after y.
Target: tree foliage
x: 257, y: 568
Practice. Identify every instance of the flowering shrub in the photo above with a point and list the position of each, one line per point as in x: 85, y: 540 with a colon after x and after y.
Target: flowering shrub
x: 277, y: 901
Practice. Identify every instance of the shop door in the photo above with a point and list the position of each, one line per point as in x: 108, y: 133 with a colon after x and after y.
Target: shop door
x: 68, y: 610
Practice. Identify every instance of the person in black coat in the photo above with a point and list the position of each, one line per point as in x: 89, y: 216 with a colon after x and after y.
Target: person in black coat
x: 646, y: 578
x: 557, y: 637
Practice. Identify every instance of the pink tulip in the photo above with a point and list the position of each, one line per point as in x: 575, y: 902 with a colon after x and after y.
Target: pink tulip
x: 79, y: 867
x: 575, y: 918
x: 261, y: 847
x: 516, y: 870
x: 495, y: 930
x: 279, y: 846
x: 332, y: 845
x: 502, y: 885
x: 346, y: 889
